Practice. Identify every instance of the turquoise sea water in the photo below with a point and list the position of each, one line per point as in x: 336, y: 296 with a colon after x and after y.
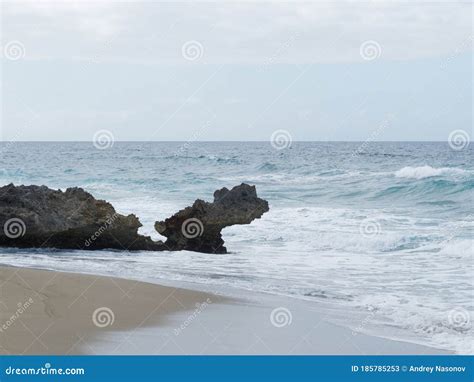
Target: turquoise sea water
x: 383, y: 230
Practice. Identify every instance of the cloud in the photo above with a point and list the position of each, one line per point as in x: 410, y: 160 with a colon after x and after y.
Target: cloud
x: 247, y: 33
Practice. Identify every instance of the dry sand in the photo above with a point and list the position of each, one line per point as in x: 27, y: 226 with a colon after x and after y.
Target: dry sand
x: 45, y: 312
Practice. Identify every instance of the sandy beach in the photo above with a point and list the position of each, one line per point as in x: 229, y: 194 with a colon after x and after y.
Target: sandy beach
x: 45, y: 312
x: 48, y: 312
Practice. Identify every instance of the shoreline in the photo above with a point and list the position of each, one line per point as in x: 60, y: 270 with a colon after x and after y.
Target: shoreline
x: 72, y: 313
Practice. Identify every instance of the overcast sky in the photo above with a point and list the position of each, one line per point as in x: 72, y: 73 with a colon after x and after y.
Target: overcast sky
x: 151, y: 70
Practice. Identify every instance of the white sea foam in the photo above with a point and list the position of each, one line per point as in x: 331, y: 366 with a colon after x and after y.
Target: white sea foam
x: 423, y: 172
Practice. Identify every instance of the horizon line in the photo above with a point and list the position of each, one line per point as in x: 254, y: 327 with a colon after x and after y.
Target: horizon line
x: 230, y: 141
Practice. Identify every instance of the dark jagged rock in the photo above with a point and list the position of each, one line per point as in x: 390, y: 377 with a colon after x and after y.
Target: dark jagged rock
x: 198, y: 228
x: 37, y: 216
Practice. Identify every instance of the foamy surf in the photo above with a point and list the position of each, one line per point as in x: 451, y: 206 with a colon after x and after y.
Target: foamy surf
x: 428, y: 172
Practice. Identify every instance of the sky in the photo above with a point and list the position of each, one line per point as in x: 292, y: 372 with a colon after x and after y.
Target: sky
x: 153, y: 70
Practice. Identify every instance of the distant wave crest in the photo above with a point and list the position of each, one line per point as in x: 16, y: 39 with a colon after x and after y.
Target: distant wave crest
x: 427, y: 172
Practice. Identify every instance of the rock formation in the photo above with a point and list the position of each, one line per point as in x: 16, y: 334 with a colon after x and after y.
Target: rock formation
x: 198, y: 228
x: 37, y: 216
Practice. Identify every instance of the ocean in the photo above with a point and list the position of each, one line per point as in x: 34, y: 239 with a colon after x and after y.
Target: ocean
x: 380, y: 234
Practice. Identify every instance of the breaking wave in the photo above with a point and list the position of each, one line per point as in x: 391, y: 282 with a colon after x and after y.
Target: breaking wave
x: 428, y: 172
